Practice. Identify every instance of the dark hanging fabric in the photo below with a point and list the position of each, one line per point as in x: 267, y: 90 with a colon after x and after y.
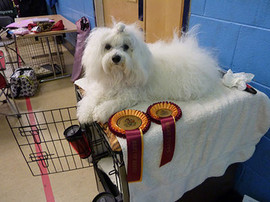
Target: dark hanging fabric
x: 51, y: 3
x: 7, y: 9
x: 32, y: 8
x: 83, y: 30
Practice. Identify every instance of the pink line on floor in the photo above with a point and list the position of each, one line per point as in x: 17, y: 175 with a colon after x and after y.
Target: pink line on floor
x: 43, y: 170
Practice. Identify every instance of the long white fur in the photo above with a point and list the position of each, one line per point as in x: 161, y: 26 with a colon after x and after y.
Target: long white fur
x: 177, y: 70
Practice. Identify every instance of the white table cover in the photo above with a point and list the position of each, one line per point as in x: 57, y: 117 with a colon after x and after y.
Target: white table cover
x: 213, y: 133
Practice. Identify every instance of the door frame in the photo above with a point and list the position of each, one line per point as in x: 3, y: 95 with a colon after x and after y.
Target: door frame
x: 99, y: 13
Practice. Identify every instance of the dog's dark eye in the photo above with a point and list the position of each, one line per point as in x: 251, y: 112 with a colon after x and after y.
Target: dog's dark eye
x: 108, y: 46
x: 125, y: 47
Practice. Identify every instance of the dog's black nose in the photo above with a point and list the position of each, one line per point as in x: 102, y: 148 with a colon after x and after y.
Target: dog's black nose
x: 116, y: 59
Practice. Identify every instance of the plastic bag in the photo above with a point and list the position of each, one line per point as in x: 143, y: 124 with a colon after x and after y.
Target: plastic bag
x: 238, y: 80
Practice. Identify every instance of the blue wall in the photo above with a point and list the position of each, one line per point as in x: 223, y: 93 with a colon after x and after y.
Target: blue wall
x: 253, y: 177
x: 239, y: 32
x: 74, y: 10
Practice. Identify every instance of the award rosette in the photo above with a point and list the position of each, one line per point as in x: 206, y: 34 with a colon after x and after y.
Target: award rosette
x: 166, y: 114
x: 131, y: 125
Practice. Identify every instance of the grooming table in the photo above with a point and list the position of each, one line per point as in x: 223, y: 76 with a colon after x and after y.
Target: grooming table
x: 213, y: 133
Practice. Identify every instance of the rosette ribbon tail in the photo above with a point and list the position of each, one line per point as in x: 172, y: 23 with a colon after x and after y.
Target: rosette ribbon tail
x: 168, y: 128
x: 135, y: 155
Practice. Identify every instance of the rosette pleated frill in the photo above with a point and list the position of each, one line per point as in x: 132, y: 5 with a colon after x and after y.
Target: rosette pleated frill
x: 131, y: 125
x: 166, y: 114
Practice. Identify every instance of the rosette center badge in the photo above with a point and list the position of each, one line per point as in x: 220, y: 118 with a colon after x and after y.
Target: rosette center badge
x: 129, y: 122
x: 166, y: 114
x: 131, y: 125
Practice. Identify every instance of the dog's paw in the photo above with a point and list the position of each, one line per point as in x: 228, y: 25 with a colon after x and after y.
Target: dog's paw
x: 83, y: 117
x: 101, y: 115
x: 84, y: 112
x: 103, y: 112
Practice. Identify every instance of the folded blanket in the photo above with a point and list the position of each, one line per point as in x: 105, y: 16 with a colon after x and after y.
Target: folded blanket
x: 213, y: 133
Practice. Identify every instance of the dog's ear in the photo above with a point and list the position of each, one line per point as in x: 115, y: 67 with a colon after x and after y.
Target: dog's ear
x: 91, y: 59
x: 142, y: 57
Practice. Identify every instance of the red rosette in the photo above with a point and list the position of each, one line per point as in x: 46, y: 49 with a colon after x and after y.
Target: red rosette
x: 128, y: 119
x: 166, y: 114
x: 160, y: 110
x: 131, y: 125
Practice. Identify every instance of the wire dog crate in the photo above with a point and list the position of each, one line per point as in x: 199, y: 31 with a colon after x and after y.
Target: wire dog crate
x: 109, y: 167
x: 41, y: 140
x: 41, y: 53
x: 40, y: 137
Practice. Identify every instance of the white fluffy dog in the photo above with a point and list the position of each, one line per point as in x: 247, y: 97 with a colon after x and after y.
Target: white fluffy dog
x: 122, y: 71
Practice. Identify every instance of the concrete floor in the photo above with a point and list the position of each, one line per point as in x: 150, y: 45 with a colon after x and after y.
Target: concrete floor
x: 17, y: 182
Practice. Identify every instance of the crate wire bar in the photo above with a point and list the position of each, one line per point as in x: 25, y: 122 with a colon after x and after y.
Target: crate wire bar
x: 117, y: 174
x: 40, y: 137
x: 44, y: 54
x: 41, y: 140
x: 101, y: 149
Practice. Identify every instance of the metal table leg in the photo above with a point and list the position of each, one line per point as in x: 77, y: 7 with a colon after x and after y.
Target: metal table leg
x: 58, y: 55
x: 50, y: 54
x: 52, y: 62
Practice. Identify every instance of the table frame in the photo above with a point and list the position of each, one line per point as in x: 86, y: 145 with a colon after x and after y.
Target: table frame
x: 69, y: 28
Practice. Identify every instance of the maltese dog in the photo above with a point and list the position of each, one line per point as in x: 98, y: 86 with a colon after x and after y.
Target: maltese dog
x: 122, y: 70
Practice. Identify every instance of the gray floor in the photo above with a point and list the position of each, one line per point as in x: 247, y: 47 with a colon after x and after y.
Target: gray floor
x: 17, y: 182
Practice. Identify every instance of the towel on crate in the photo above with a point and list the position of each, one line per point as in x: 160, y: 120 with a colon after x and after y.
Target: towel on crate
x: 213, y: 133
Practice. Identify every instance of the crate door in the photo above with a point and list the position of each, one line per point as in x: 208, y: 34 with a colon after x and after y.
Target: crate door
x: 158, y: 18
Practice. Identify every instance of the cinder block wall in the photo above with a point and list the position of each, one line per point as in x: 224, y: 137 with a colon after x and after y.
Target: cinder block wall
x: 74, y: 10
x: 239, y: 34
